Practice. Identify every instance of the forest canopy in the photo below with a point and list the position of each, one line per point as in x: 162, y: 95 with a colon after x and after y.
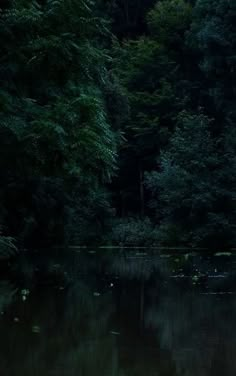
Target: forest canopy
x: 117, y: 122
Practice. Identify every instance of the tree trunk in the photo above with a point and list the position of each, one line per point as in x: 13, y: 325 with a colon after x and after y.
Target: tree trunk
x: 141, y: 186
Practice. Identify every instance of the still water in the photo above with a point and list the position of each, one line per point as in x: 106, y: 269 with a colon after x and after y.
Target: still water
x: 119, y: 313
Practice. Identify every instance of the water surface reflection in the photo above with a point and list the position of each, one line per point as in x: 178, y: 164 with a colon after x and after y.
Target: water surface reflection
x: 119, y: 313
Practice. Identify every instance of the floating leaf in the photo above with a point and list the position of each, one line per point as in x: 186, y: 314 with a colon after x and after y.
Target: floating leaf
x: 96, y: 294
x: 115, y: 333
x: 223, y: 254
x: 36, y: 329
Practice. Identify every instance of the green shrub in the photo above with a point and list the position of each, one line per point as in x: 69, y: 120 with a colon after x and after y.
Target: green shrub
x: 133, y: 232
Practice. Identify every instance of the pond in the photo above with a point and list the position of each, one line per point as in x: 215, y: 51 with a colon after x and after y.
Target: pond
x: 112, y: 312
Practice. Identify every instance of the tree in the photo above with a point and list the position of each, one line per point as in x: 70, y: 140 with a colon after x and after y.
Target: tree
x: 127, y: 17
x: 213, y: 39
x: 192, y: 199
x: 53, y: 123
x: 152, y: 71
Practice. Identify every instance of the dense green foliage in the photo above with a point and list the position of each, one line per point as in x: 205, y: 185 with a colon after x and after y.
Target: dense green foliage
x: 198, y: 212
x: 180, y: 81
x: 55, y: 134
x: 113, y: 110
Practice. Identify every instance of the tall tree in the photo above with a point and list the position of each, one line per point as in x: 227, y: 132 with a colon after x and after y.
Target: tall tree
x: 127, y: 17
x: 193, y: 194
x: 213, y: 40
x: 53, y: 123
x: 152, y: 71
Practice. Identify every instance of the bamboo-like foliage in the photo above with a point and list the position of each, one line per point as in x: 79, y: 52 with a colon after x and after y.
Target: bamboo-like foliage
x: 50, y: 73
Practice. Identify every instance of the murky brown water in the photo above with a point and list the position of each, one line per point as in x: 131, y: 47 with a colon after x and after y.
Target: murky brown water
x: 119, y: 313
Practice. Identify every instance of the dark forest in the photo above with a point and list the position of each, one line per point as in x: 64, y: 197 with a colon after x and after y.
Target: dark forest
x: 117, y: 121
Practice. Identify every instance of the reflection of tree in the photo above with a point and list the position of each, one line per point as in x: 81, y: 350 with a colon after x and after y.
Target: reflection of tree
x: 72, y: 331
x: 138, y: 272
x: 135, y: 267
x: 198, y: 329
x: 7, y: 294
x: 193, y: 328
x: 59, y: 333
x: 120, y: 314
